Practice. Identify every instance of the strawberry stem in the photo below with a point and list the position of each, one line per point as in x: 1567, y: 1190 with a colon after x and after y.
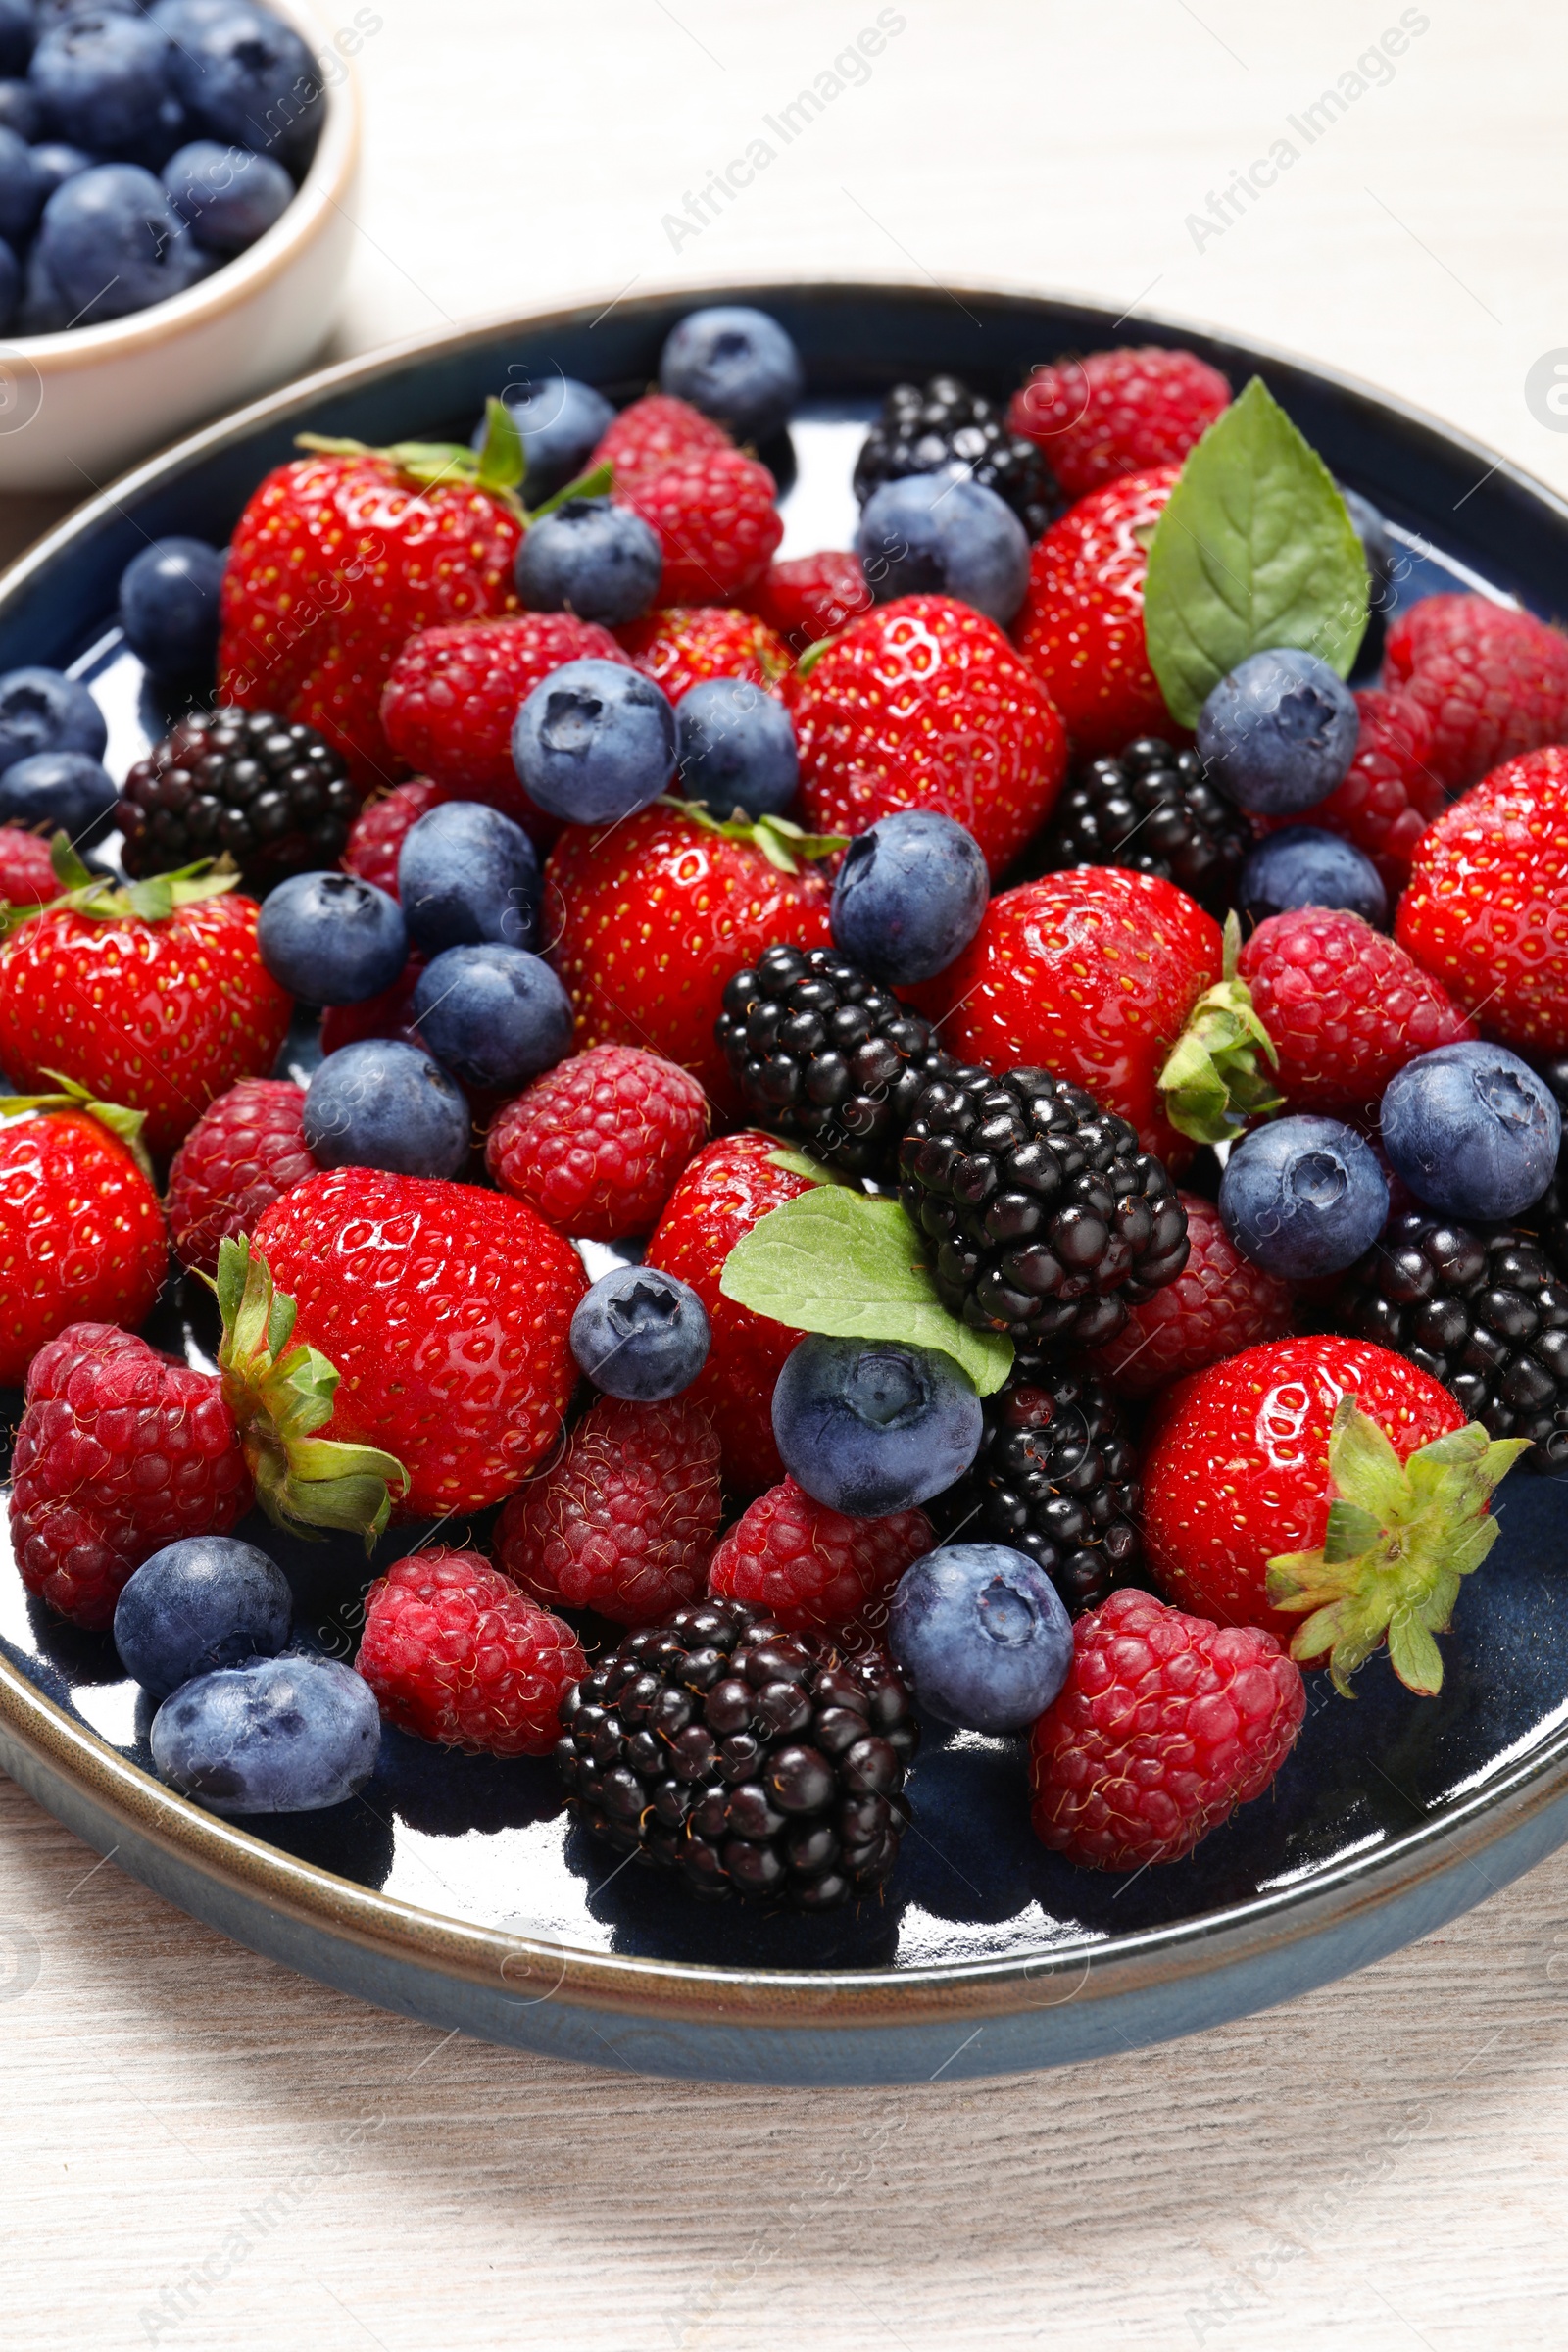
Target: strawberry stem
x: 125, y: 1125
x: 497, y: 465
x: 104, y: 901
x: 1213, y: 1082
x: 780, y: 841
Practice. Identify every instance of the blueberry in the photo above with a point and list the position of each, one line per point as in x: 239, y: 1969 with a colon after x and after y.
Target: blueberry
x: 23, y: 190
x: 102, y: 78
x: 113, y: 243
x: 1471, y: 1130
x: 561, y: 423
x: 872, y: 1426
x: 736, y: 747
x: 735, y: 364
x: 382, y: 1105
x: 206, y: 1602
x: 63, y: 790
x: 1305, y: 866
x: 594, y: 741
x: 590, y: 558
x: 19, y: 110
x: 286, y: 1735
x: 17, y: 28
x: 641, y: 1335
x: 1302, y: 1198
x: 184, y: 19
x: 909, y: 896
x: 43, y: 711
x: 466, y: 873
x: 981, y: 1636
x: 227, y: 196
x: 12, y: 286
x: 332, y: 939
x: 1279, y: 733
x: 44, y: 309
x: 55, y: 163
x: 941, y: 534
x: 169, y: 606
x: 246, y: 79
x: 492, y: 1015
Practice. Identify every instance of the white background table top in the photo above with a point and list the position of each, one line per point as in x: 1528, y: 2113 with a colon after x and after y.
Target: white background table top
x: 1383, y: 2165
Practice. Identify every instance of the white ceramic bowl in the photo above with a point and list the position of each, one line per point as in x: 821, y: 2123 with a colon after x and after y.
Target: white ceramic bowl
x: 76, y: 407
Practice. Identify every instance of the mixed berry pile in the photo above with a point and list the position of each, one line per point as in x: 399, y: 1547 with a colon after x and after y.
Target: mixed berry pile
x: 1060, y: 1090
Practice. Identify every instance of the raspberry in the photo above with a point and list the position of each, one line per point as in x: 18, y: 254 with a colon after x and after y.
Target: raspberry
x: 679, y: 646
x: 597, y: 1143
x: 390, y: 1014
x: 1390, y: 792
x: 1167, y: 1723
x: 812, y: 597
x: 1117, y: 411
x: 384, y: 826
x: 1345, y: 1005
x: 654, y: 434
x: 717, y: 523
x: 1219, y: 1303
x: 813, y: 1568
x: 626, y: 1520
x: 454, y: 693
x: 456, y: 1653
x: 243, y: 1153
x: 118, y: 1451
x: 27, y: 877
x: 1492, y: 681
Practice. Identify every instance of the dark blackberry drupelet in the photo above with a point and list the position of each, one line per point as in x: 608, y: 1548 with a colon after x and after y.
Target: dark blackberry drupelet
x: 1152, y: 810
x: 1056, y: 1476
x: 1547, y: 1220
x: 824, y: 1053
x: 924, y: 428
x: 269, y: 791
x: 751, y: 1761
x: 1048, y: 1220
x: 1486, y: 1314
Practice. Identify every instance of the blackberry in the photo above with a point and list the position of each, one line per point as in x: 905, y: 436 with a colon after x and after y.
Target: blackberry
x: 1153, y: 811
x: 1056, y: 1476
x: 1547, y: 1220
x: 751, y: 1761
x: 822, y: 1053
x: 921, y: 430
x: 271, y: 793
x: 1050, y: 1220
x: 1486, y: 1314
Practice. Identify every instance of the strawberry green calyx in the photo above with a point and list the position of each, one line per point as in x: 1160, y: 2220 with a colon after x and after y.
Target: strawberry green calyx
x: 498, y: 465
x: 781, y: 843
x: 106, y: 901
x: 813, y: 655
x: 1214, y: 1081
x: 1400, y: 1538
x: 279, y: 1395
x: 125, y: 1125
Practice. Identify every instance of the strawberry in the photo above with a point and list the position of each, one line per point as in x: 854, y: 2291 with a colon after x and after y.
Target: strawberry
x: 26, y: 872
x: 153, y: 996
x: 684, y: 644
x: 1492, y: 681
x: 1486, y: 910
x: 713, y: 514
x: 726, y: 1189
x: 654, y: 434
x: 81, y: 1234
x: 446, y: 1310
x: 1344, y: 1008
x: 651, y: 917
x: 1117, y: 411
x: 1081, y: 628
x: 812, y: 596
x: 1244, y: 1462
x: 922, y: 703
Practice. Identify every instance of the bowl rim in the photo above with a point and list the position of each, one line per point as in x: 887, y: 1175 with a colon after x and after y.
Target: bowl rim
x: 397, y: 1932
x: 324, y: 192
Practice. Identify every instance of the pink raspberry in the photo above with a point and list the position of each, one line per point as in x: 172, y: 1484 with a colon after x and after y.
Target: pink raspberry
x: 27, y: 877
x: 716, y: 521
x: 1117, y: 411
x: 598, y: 1144
x: 382, y: 826
x: 813, y: 1568
x: 244, y: 1152
x: 1219, y: 1303
x: 1345, y: 1005
x: 654, y: 434
x: 1494, y: 682
x: 456, y: 1653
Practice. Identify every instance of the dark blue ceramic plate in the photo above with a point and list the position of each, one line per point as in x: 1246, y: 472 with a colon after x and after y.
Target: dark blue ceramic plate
x: 455, y: 1890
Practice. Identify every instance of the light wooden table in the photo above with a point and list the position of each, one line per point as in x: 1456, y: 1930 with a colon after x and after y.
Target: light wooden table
x: 204, y: 2151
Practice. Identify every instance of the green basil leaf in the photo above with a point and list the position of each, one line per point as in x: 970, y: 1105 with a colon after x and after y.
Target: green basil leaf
x: 836, y: 1261
x: 1255, y: 548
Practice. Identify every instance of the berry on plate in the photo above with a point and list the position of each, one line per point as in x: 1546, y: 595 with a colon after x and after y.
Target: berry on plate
x: 332, y: 939
x: 682, y: 646
x: 1279, y: 732
x: 1390, y: 792
x: 376, y: 841
x: 1306, y: 865
x: 734, y: 364
x: 457, y: 1655
x: 624, y: 1523
x: 812, y: 596
x: 62, y: 792
x: 814, y: 1569
x: 1219, y: 1303
x: 1056, y: 1477
x: 276, y: 1736
x: 1344, y: 1006
x: 593, y: 743
x: 589, y: 557
x: 1492, y: 681
x: 1152, y: 810
x: 560, y: 422
x: 81, y: 1234
x: 1303, y: 1196
x: 382, y: 1105
x: 200, y: 1604
x: 274, y: 796
x: 597, y: 1143
x: 713, y: 516
x: 26, y: 870
x: 944, y: 428
x: 1081, y: 629
x: 870, y: 1426
x: 494, y: 1016
x: 909, y: 897
x: 1166, y: 1724
x: 926, y: 534
x: 641, y: 1334
x: 466, y: 873
x: 244, y: 1151
x: 655, y: 434
x: 978, y: 1633
x: 1117, y: 411
x: 736, y: 750
x: 1471, y: 1130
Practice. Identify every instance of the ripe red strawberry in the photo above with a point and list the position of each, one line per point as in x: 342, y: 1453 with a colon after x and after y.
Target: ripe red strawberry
x: 722, y: 1195
x: 654, y: 434
x: 337, y: 560
x: 452, y: 695
x: 1092, y: 974
x: 625, y: 1521
x: 1492, y: 681
x: 376, y: 841
x: 1344, y: 1007
x: 445, y: 1310
x: 1081, y: 628
x: 1218, y: 1304
x: 1391, y: 791
x: 679, y: 646
x: 922, y: 703
x: 1165, y: 1723
x: 651, y: 917
x: 1486, y: 910
x: 244, y: 1152
x: 27, y: 874
x: 154, y: 996
x: 389, y: 1014
x: 814, y: 1569
x: 1117, y: 411
x: 812, y: 596
x: 715, y: 520
x: 597, y: 1143
x: 456, y: 1653
x: 81, y: 1234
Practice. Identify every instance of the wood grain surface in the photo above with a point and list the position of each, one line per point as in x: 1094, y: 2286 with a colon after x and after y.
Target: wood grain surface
x: 202, y: 2150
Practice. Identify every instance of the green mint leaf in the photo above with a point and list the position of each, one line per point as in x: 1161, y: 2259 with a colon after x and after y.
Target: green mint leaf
x: 1254, y: 549
x: 836, y: 1261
